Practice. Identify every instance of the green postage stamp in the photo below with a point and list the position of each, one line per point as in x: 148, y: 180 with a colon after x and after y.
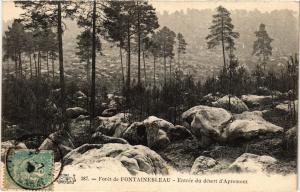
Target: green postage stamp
x: 29, y: 169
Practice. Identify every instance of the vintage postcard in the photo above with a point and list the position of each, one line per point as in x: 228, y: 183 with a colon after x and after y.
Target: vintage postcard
x: 151, y: 96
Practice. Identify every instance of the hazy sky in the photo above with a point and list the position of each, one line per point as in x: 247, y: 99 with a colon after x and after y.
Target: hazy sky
x: 9, y: 11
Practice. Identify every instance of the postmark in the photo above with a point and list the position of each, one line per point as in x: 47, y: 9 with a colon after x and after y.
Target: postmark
x: 31, y: 169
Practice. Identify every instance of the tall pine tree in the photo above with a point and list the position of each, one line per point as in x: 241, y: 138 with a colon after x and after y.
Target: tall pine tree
x: 262, y: 46
x: 221, y: 31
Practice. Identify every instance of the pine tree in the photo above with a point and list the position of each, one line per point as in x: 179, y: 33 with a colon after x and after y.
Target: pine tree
x: 221, y: 31
x: 181, y: 48
x: 166, y: 40
x: 262, y: 46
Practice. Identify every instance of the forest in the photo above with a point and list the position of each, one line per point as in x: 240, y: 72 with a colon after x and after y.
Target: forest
x: 228, y: 92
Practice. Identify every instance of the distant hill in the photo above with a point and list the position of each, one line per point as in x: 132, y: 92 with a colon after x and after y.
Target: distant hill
x: 282, y: 26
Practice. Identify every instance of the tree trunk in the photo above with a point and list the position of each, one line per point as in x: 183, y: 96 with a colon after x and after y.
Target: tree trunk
x: 154, y: 81
x: 165, y: 66
x: 35, y: 65
x: 128, y: 56
x: 16, y: 65
x: 122, y: 67
x: 61, y: 65
x: 93, y: 88
x: 39, y: 64
x: 30, y: 65
x: 88, y: 71
x: 139, y: 47
x: 145, y: 74
x: 178, y: 60
x: 170, y: 69
x: 47, y: 58
x: 52, y: 67
x: 20, y: 64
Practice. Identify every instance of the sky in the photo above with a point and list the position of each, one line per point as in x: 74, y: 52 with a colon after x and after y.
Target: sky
x: 9, y: 11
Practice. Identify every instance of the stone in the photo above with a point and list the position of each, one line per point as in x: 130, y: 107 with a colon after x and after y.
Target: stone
x: 202, y: 165
x: 75, y: 112
x: 60, y: 142
x: 136, y: 159
x: 108, y: 125
x: 256, y: 100
x: 179, y: 133
x: 290, y: 141
x: 208, y: 122
x: 236, y: 105
x: 99, y: 138
x: 250, y: 125
x: 287, y: 107
x: 109, y: 112
x: 248, y: 162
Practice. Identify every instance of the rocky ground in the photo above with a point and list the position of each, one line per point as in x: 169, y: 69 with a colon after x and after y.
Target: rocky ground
x: 254, y: 134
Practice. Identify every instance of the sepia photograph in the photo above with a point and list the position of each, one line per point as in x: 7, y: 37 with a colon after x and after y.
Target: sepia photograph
x: 149, y: 95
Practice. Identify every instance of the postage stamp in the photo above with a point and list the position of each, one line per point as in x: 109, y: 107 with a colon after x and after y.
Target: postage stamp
x: 29, y: 169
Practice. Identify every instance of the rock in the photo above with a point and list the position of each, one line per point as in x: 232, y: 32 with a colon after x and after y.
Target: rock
x: 135, y: 159
x: 290, y: 141
x: 256, y: 100
x: 263, y: 91
x: 208, y: 122
x: 249, y: 125
x: 99, y: 138
x: 115, y: 101
x: 252, y: 163
x: 158, y: 122
x: 286, y: 107
x: 135, y: 134
x: 60, y: 142
x: 152, y: 132
x: 75, y: 112
x: 236, y: 105
x: 80, y: 95
x: 179, y: 133
x: 209, y: 98
x: 109, y: 112
x: 203, y: 164
x: 108, y: 125
x: 80, y: 130
x: 250, y: 115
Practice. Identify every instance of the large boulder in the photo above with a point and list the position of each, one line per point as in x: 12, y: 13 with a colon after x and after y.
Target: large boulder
x: 256, y: 100
x: 109, y: 112
x: 290, y: 141
x: 151, y: 132
x: 208, y: 122
x: 136, y: 159
x: 252, y: 163
x: 99, y: 138
x: 75, y: 112
x: 179, y: 133
x: 108, y: 125
x: 80, y: 130
x: 135, y: 134
x: 115, y: 101
x: 249, y: 125
x: 202, y: 165
x: 287, y: 107
x: 236, y: 105
x: 60, y: 142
